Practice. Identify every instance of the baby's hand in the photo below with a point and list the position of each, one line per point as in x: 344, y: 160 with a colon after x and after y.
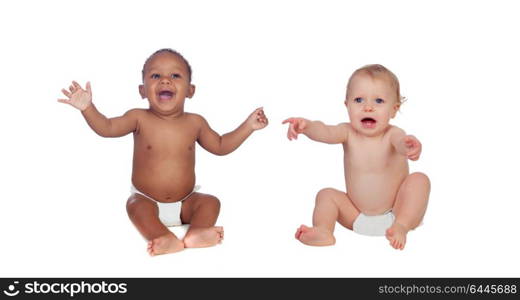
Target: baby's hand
x: 78, y: 97
x: 257, y: 120
x: 413, y: 147
x: 296, y: 126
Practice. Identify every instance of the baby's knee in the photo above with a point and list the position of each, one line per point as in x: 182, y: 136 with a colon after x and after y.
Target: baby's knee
x: 131, y: 205
x: 419, y: 178
x: 211, y: 201
x: 325, y: 194
x: 134, y: 205
x: 215, y: 202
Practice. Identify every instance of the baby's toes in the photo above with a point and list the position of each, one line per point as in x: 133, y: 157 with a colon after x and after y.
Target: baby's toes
x: 398, y: 244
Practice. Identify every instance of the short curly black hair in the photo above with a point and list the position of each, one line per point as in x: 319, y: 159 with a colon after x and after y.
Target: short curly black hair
x: 169, y: 50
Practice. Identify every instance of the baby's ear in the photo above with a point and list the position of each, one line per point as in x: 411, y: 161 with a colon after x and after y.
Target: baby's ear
x: 141, y: 91
x: 395, y: 109
x: 192, y: 91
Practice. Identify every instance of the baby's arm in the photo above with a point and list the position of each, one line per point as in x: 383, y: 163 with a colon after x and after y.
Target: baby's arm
x: 317, y: 131
x: 404, y: 144
x: 105, y: 127
x: 222, y: 145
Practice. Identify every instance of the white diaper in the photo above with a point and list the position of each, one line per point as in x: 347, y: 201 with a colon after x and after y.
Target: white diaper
x: 373, y: 225
x: 169, y: 213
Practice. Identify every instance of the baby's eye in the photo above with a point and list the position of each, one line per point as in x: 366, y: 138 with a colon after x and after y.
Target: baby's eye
x: 358, y: 100
x: 380, y: 101
x: 155, y: 76
x: 176, y: 75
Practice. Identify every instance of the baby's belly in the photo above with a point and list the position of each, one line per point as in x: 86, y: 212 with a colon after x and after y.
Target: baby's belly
x: 164, y: 182
x: 373, y: 194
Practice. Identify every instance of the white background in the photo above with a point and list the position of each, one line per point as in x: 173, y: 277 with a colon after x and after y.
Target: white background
x: 64, y: 189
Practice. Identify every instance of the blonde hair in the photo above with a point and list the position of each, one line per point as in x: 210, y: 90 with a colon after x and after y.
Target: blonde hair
x: 378, y: 71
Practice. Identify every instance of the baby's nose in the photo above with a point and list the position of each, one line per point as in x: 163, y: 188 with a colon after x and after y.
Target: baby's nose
x: 368, y: 108
x: 165, y: 80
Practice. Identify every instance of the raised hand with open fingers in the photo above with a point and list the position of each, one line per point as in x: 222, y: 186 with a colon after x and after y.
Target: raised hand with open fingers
x: 77, y: 96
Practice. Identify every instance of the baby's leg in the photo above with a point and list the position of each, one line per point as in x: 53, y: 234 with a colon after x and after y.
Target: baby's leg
x: 144, y: 214
x: 201, y: 212
x: 409, y: 208
x: 331, y: 206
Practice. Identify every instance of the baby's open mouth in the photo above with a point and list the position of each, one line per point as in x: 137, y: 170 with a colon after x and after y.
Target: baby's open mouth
x: 368, y: 122
x: 165, y: 95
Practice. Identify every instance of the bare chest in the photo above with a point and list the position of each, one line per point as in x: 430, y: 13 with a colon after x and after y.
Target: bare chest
x: 369, y: 155
x: 165, y: 138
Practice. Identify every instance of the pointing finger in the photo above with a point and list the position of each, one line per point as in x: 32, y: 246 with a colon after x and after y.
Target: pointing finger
x: 290, y: 120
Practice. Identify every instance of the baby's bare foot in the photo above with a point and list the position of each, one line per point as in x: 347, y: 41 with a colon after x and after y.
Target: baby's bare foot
x: 396, y: 234
x: 204, y: 237
x: 314, y: 236
x: 167, y: 243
